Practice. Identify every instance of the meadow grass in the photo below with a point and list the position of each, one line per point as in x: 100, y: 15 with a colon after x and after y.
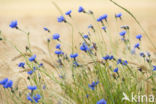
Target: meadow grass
x: 99, y: 69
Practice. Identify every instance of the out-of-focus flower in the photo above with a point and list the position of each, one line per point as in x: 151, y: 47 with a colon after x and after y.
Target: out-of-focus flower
x: 21, y: 64
x: 61, y: 19
x: 56, y: 36
x: 32, y: 58
x: 81, y: 9
x: 73, y: 55
x: 139, y: 36
x: 93, y: 85
x: 122, y: 33
x: 13, y: 24
x: 102, y: 101
x: 32, y: 88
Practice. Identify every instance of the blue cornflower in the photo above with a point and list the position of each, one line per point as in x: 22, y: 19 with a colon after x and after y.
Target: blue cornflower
x: 125, y: 62
x: 99, y: 19
x: 58, y: 52
x: 106, y: 57
x: 13, y: 24
x: 111, y: 57
x: 102, y: 101
x: 32, y: 58
x: 73, y: 55
x: 41, y: 64
x: 68, y: 12
x: 148, y: 54
x: 104, y: 28
x: 58, y: 46
x: 85, y: 36
x: 142, y: 54
x: 29, y: 98
x: 137, y: 45
x: 8, y: 84
x: 116, y: 70
x: 84, y: 47
x: 139, y: 36
x: 154, y: 68
x: 93, y: 85
x: 119, y: 61
x: 32, y: 88
x: 61, y: 19
x: 122, y: 33
x: 21, y: 64
x: 46, y: 29
x: 118, y: 15
x: 30, y: 72
x: 81, y: 9
x: 104, y: 17
x: 56, y: 36
x: 36, y: 98
x: 4, y: 81
x: 75, y: 64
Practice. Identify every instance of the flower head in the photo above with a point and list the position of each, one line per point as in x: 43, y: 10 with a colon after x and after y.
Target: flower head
x: 36, y: 98
x: 142, y: 54
x: 32, y: 88
x: 73, y: 55
x: 116, y: 70
x: 90, y: 26
x: 68, y: 12
x: 122, y: 33
x: 21, y: 64
x: 104, y: 28
x: 106, y: 57
x: 32, y: 58
x: 139, y: 36
x: 102, y: 101
x: 154, y: 68
x: 84, y: 47
x: 85, y: 36
x: 56, y: 36
x: 4, y: 81
x: 104, y: 16
x: 58, y: 52
x: 13, y: 24
x: 61, y: 19
x: 8, y: 84
x: 137, y: 45
x: 93, y: 85
x: 81, y: 9
x: 118, y: 15
x: 58, y: 46
x: 46, y: 29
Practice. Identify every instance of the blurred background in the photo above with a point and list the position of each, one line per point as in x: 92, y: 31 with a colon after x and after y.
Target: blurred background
x: 33, y: 15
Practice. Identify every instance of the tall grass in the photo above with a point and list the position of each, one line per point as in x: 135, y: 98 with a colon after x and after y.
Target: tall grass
x: 99, y: 69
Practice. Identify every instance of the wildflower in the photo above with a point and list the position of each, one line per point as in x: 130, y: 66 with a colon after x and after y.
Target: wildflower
x: 104, y: 28
x: 137, y: 45
x: 30, y: 72
x: 8, y: 84
x: 44, y: 86
x: 126, y: 27
x: 85, y: 36
x: 4, y: 81
x: 118, y: 15
x: 32, y: 58
x: 119, y: 61
x: 56, y: 36
x: 36, y: 98
x: 61, y: 19
x: 41, y: 64
x: 93, y: 85
x: 99, y: 19
x: 73, y: 55
x: 75, y: 64
x: 68, y: 13
x: 142, y: 54
x: 58, y: 46
x: 58, y: 52
x: 32, y: 88
x: 29, y: 98
x: 13, y: 24
x: 125, y: 62
x: 104, y: 17
x: 148, y: 54
x: 102, y: 101
x: 111, y: 57
x: 106, y: 57
x: 21, y: 64
x: 154, y: 68
x: 139, y: 36
x: 81, y: 9
x: 116, y: 70
x: 46, y: 29
x: 84, y: 47
x: 122, y: 33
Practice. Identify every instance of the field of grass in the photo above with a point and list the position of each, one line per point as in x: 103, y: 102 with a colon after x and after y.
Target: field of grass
x: 89, y: 77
